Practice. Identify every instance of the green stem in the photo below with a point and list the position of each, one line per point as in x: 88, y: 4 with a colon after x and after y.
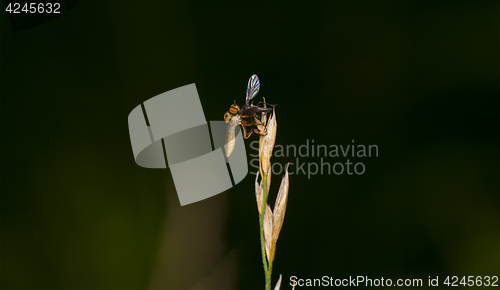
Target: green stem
x: 269, y: 275
x: 267, y: 270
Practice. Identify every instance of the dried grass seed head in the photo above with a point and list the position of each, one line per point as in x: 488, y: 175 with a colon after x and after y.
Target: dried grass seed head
x: 280, y: 206
x: 267, y: 143
x: 268, y: 231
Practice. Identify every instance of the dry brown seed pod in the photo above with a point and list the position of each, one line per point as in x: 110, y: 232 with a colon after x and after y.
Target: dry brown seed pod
x: 266, y: 144
x: 259, y: 190
x: 259, y: 193
x: 268, y: 181
x: 278, y: 284
x: 268, y: 230
x: 280, y: 206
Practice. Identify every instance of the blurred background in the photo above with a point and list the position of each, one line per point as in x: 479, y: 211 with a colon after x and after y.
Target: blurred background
x: 420, y: 79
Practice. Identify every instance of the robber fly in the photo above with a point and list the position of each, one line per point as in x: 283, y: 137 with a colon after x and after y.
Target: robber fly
x: 246, y: 116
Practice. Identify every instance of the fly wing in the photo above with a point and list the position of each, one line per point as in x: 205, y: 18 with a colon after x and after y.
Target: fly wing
x: 252, y: 88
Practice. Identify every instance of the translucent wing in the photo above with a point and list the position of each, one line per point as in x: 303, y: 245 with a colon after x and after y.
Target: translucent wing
x: 253, y: 88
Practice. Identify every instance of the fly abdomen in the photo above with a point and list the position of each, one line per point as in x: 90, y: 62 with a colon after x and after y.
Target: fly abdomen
x: 231, y: 132
x: 230, y: 141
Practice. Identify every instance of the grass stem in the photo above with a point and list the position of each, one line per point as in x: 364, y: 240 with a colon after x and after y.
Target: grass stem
x: 267, y: 269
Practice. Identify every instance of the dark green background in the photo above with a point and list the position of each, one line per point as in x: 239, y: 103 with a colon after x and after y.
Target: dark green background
x: 417, y: 78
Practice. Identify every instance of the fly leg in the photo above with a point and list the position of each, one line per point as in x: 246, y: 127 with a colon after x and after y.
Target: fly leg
x: 247, y: 135
x: 262, y: 128
x: 255, y: 122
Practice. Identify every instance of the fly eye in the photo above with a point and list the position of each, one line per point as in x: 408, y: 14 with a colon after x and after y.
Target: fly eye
x: 234, y: 108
